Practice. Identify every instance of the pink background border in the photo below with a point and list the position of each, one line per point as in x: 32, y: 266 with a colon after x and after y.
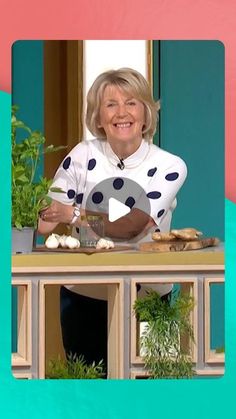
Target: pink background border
x: 143, y: 19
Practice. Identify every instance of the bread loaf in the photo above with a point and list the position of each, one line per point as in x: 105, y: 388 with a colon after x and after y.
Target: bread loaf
x: 183, y: 234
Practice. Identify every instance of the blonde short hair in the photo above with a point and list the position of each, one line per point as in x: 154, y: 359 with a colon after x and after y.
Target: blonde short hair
x: 131, y: 81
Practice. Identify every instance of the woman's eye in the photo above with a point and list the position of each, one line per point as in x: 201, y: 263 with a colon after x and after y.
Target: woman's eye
x: 110, y: 105
x: 131, y: 103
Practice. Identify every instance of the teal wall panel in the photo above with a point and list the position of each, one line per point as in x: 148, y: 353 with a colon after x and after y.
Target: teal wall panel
x: 28, y: 86
x: 192, y: 126
x: 217, y: 321
x: 156, y: 84
x: 27, y: 82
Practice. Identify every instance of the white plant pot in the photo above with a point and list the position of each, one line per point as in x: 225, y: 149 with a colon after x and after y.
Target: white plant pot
x: 170, y: 350
x: 22, y: 240
x: 142, y: 327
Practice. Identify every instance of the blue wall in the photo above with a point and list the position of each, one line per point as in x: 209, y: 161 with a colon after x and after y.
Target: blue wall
x: 27, y: 82
x: 217, y: 316
x: 192, y: 126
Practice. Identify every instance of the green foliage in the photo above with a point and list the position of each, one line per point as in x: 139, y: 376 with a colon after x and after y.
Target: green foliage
x: 220, y: 350
x: 74, y: 368
x: 29, y: 194
x: 161, y: 340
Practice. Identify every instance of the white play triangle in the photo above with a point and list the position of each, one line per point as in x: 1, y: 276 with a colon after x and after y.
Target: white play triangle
x: 116, y: 209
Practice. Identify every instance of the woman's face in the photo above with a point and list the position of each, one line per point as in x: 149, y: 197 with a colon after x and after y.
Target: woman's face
x: 121, y: 116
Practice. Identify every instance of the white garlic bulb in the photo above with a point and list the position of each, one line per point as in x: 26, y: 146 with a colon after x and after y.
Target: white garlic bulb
x: 111, y: 244
x: 52, y: 241
x: 72, y: 242
x: 62, y: 240
x: 105, y: 244
x: 100, y: 244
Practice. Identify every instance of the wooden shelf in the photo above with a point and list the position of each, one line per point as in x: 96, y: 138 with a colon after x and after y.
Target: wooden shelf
x: 23, y: 356
x: 117, y: 274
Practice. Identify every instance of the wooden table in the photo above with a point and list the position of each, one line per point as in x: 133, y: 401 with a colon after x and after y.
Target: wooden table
x: 116, y: 274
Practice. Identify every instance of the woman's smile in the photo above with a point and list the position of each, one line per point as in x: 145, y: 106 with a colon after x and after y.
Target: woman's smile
x: 123, y: 125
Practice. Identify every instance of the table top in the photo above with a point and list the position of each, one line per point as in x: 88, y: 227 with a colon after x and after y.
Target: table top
x: 208, y: 256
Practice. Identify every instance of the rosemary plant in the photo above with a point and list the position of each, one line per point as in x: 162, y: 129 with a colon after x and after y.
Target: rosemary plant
x: 160, y: 343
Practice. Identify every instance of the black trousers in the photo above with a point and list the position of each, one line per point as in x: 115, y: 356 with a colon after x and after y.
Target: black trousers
x: 84, y: 326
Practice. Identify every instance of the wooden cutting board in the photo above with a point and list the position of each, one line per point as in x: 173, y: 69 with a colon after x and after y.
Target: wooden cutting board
x: 178, y: 245
x: 87, y: 250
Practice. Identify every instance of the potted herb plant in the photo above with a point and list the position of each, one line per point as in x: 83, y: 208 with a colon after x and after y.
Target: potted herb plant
x: 160, y: 343
x: 74, y: 368
x: 29, y: 189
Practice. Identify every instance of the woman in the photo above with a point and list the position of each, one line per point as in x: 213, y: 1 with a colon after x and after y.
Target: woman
x: 122, y: 116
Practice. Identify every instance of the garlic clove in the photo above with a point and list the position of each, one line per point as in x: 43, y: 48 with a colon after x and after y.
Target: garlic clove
x: 62, y: 240
x: 71, y: 242
x: 105, y: 244
x: 111, y: 244
x: 100, y: 244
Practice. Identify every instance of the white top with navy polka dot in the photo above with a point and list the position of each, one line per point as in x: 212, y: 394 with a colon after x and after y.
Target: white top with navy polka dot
x: 160, y: 174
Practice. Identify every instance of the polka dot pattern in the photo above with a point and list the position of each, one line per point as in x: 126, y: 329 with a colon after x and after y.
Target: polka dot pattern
x: 71, y: 193
x: 77, y: 230
x: 79, y: 198
x: 154, y: 195
x: 130, y: 201
x: 152, y: 172
x: 172, y: 176
x: 160, y: 213
x: 66, y: 163
x: 118, y: 183
x: 156, y: 180
x: 97, y: 197
x: 157, y: 230
x: 91, y: 164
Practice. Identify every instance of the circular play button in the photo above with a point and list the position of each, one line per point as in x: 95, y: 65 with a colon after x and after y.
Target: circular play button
x: 116, y: 196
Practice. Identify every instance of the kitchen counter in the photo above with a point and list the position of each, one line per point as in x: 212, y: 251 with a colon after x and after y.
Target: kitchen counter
x: 121, y: 260
x: 38, y: 277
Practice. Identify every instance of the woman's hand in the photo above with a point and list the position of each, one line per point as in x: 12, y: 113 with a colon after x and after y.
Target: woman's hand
x: 51, y: 216
x: 57, y: 213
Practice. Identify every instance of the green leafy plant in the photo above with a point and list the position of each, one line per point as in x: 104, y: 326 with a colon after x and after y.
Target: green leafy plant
x: 29, y: 191
x: 220, y: 350
x: 74, y: 368
x: 161, y: 341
